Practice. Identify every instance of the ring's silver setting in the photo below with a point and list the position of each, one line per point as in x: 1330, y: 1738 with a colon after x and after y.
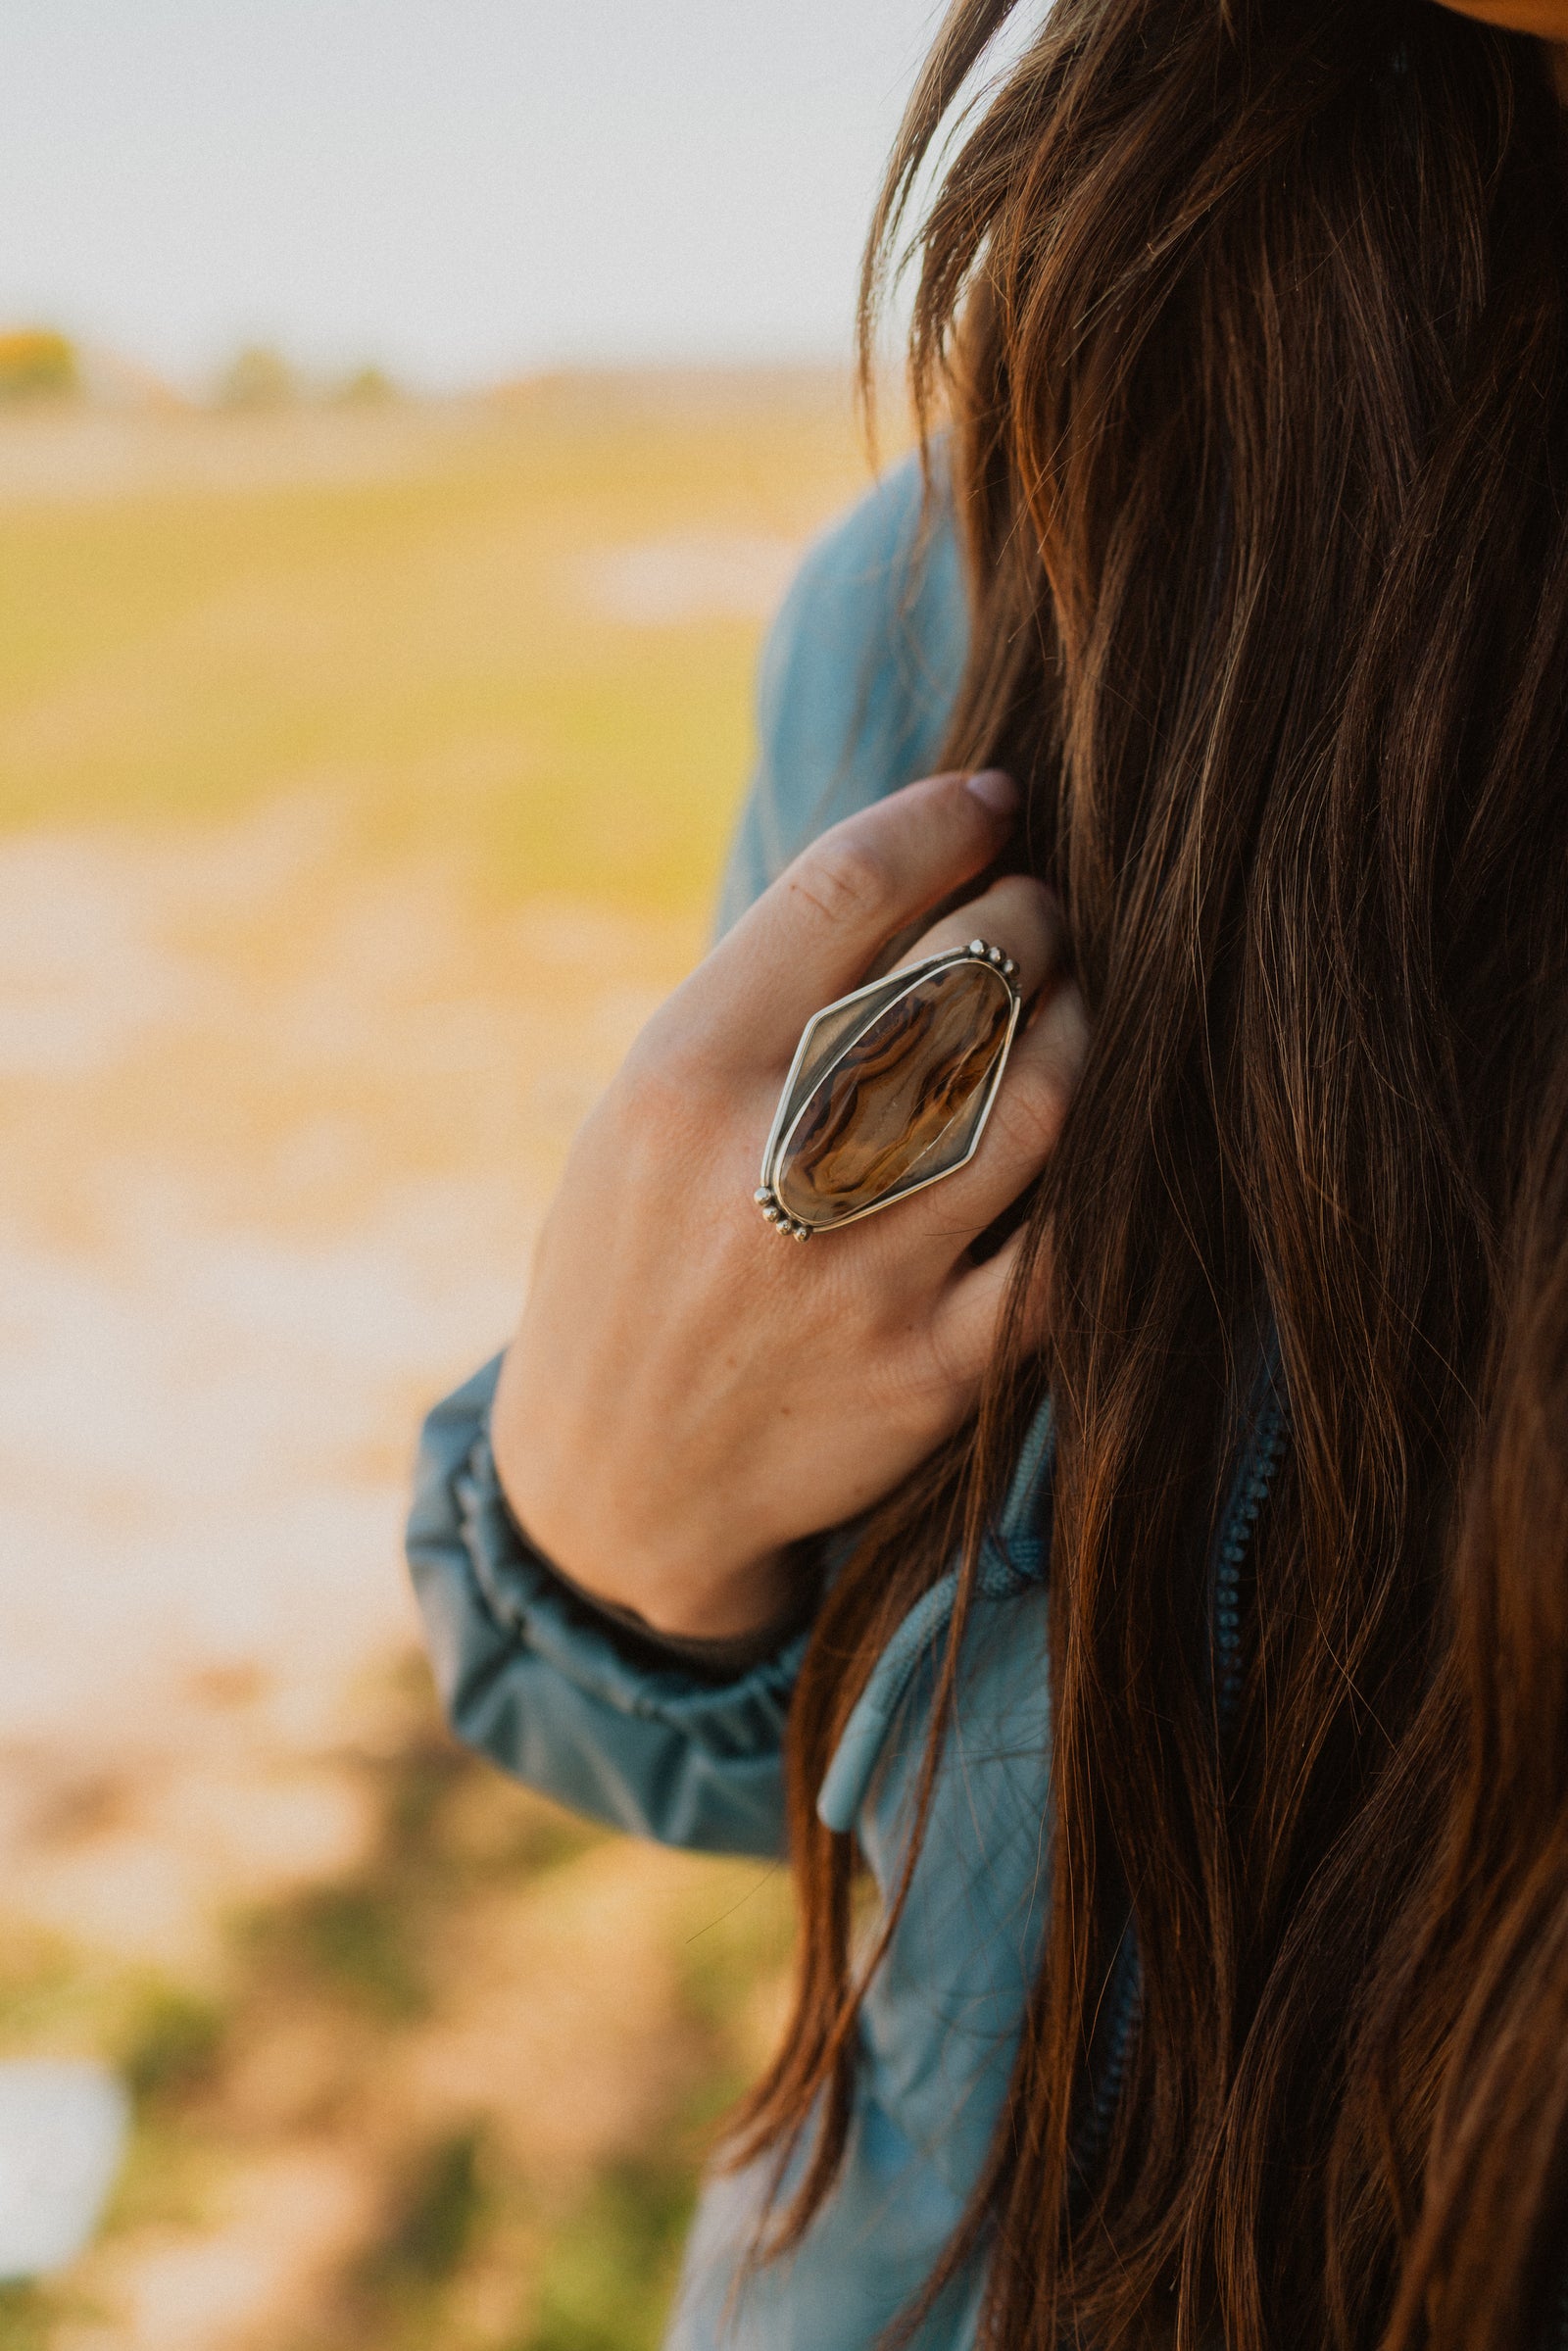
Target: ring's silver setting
x: 826, y: 1080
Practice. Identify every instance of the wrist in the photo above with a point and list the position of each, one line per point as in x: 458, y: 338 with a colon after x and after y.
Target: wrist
x: 683, y: 1583
x: 688, y: 1600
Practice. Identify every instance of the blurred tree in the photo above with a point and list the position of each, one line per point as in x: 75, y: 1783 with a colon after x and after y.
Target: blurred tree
x: 369, y: 385
x: 256, y: 378
x: 37, y: 363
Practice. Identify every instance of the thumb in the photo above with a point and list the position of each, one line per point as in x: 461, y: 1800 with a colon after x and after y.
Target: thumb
x: 814, y: 933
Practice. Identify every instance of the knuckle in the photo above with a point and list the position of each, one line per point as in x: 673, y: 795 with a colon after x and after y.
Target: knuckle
x: 846, y: 878
x: 670, y: 1100
x: 926, y: 1372
x: 648, y: 1077
x: 949, y: 1369
x: 1022, y: 899
x: 946, y: 1384
x: 1030, y: 1110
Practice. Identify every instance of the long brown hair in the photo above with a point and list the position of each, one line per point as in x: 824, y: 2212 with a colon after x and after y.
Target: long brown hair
x: 1250, y: 321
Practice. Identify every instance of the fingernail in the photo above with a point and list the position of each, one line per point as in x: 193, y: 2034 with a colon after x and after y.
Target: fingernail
x: 993, y: 789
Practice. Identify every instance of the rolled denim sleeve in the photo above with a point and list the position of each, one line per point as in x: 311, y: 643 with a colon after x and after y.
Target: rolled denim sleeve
x: 540, y: 1683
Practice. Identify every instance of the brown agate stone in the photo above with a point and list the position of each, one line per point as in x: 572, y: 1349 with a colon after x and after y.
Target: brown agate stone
x: 903, y: 1103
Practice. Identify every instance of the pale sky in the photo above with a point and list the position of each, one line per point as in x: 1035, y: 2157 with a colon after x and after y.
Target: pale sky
x: 458, y: 189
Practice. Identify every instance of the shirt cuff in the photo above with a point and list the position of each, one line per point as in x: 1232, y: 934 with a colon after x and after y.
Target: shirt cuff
x: 707, y: 1660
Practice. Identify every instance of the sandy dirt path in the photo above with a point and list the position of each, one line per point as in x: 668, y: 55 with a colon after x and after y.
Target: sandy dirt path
x: 281, y: 1129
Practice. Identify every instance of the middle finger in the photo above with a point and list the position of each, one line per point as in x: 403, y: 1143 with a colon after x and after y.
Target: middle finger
x: 1017, y: 914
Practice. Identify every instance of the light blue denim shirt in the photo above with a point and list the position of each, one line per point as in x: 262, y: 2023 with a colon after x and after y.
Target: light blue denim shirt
x: 856, y: 683
x: 857, y: 678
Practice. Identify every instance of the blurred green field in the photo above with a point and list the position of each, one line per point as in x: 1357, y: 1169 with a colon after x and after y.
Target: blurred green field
x: 365, y: 775
x: 398, y: 606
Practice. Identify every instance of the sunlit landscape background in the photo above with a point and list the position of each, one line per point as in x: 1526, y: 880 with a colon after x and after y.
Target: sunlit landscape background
x: 410, y: 417
x: 366, y: 766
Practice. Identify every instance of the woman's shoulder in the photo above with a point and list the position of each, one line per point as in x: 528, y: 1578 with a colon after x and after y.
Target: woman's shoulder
x: 858, y: 674
x: 890, y: 557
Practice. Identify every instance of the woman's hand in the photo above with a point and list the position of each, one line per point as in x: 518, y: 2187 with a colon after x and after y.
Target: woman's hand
x: 688, y: 1393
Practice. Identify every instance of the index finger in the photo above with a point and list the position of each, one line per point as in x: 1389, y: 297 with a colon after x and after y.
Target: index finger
x: 813, y: 934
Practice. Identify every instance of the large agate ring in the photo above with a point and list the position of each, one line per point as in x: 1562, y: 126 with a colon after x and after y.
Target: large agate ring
x: 890, y: 1090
